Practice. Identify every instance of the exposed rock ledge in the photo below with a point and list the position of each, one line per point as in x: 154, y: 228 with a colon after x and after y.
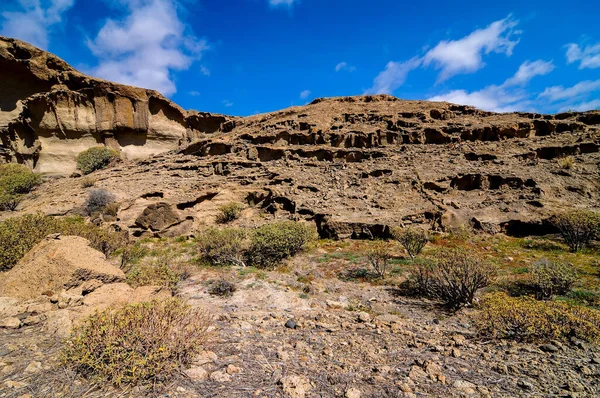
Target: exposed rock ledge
x: 49, y: 112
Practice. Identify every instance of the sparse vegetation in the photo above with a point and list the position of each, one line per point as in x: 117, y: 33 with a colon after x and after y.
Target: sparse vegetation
x: 413, y: 239
x: 379, y: 257
x: 566, y: 162
x: 223, y: 246
x: 272, y: 243
x: 552, y: 278
x: 526, y: 319
x: 577, y: 228
x: 87, y: 182
x: 229, y: 212
x: 453, y: 278
x: 154, y: 273
x: 140, y: 343
x: 98, y: 201
x: 16, y: 180
x: 18, y: 235
x: 222, y: 288
x: 96, y: 158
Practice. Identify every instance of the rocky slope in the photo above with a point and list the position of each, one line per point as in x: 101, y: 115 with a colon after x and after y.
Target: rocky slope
x: 356, y: 166
x: 49, y: 113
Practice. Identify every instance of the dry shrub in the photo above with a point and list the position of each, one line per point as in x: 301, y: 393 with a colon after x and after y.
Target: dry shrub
x: 272, y: 243
x: 379, y: 257
x: 566, y: 162
x: 96, y: 158
x: 155, y: 273
x: 223, y: 246
x: 552, y: 278
x: 99, y: 200
x: 577, y: 228
x: 413, y: 239
x: 222, y: 288
x: 453, y: 278
x: 140, y: 343
x: 526, y: 319
x: 16, y: 180
x: 87, y: 182
x: 229, y: 212
x: 18, y: 235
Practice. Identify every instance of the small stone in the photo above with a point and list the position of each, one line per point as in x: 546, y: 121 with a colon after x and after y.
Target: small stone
x: 205, y: 357
x: 525, y: 384
x: 295, y: 386
x: 220, y: 377
x: 232, y: 369
x: 364, y: 317
x: 10, y: 323
x: 33, y: 367
x: 456, y: 353
x: 334, y: 304
x: 14, y: 384
x: 465, y: 386
x: 291, y: 324
x: 549, y: 348
x: 352, y: 393
x: 180, y: 389
x: 404, y: 387
x: 197, y: 373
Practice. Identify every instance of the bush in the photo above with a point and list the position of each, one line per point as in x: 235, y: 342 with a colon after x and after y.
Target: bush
x: 223, y: 246
x: 577, y: 228
x: 566, y: 162
x: 140, y: 343
x: 379, y: 258
x: 98, y: 200
x: 552, y: 278
x: 87, y: 182
x: 413, y: 239
x: 272, y: 243
x: 18, y: 235
x: 229, y: 212
x: 96, y: 158
x: 156, y: 273
x: 222, y: 288
x: 525, y: 319
x: 453, y: 278
x: 15, y: 181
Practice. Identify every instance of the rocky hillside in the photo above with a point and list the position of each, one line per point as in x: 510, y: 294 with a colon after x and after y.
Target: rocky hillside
x: 49, y: 113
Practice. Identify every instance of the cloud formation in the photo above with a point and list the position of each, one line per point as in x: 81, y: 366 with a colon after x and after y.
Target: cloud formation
x: 452, y: 57
x: 577, y: 97
x: 304, y: 94
x: 344, y: 66
x: 588, y: 57
x: 282, y: 3
x: 144, y: 47
x: 35, y: 20
x: 507, y: 97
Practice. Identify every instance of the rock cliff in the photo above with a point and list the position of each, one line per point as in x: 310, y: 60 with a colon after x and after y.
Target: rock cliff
x: 49, y: 113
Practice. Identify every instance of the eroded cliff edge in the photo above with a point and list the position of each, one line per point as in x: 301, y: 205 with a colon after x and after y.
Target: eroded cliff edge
x: 49, y: 112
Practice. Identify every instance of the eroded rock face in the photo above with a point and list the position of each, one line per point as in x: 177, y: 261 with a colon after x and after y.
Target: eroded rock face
x: 49, y: 113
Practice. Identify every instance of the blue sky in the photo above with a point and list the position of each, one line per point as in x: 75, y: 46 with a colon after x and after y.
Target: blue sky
x: 251, y: 56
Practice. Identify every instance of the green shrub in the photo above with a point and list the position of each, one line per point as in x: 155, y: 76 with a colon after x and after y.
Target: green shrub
x: 222, y: 288
x: 156, y: 273
x: 552, y: 278
x: 413, y: 239
x: 453, y: 278
x: 96, y: 158
x: 577, y: 228
x: 272, y: 243
x: 224, y: 246
x: 379, y: 257
x: 16, y: 180
x: 140, y: 343
x: 526, y: 319
x: 18, y: 235
x: 229, y: 212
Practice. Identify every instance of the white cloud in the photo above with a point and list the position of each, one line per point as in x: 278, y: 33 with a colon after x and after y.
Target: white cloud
x: 558, y: 93
x: 144, y: 47
x: 529, y: 70
x: 452, y: 57
x: 588, y: 57
x: 393, y: 76
x: 35, y: 20
x: 304, y: 94
x: 507, y: 97
x: 465, y: 55
x: 344, y: 66
x: 582, y: 106
x: 204, y: 70
x: 282, y: 3
x: 227, y: 103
